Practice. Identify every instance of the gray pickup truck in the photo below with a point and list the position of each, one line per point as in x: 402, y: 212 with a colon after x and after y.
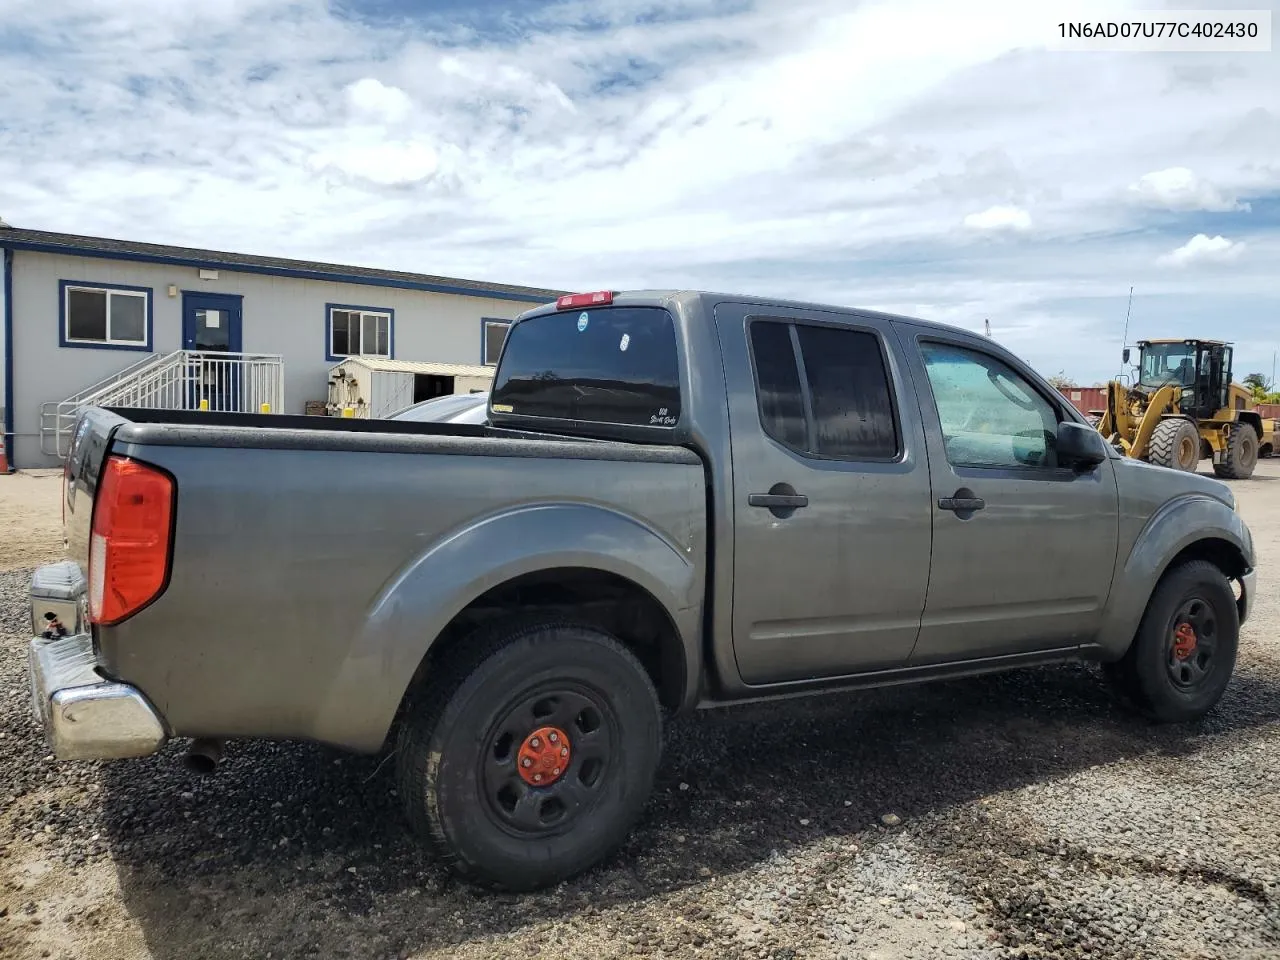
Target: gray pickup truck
x: 678, y: 500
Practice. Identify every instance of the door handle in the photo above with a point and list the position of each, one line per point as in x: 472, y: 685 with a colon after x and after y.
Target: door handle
x: 778, y: 500
x: 781, y: 500
x: 962, y: 504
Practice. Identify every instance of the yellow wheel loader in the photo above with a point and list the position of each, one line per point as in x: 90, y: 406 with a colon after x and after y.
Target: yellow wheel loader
x: 1184, y: 408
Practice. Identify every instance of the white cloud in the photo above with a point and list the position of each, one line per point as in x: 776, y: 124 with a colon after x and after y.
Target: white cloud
x: 809, y: 148
x: 373, y: 98
x: 388, y: 163
x: 1177, y: 188
x: 999, y: 218
x: 1203, y: 249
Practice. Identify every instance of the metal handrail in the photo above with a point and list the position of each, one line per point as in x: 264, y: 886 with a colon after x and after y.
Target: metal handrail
x: 182, y: 380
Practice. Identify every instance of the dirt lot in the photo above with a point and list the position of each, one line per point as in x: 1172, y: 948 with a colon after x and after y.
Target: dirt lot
x: 1017, y: 816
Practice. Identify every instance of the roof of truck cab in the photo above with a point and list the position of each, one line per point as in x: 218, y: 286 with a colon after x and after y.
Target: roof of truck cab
x: 664, y: 297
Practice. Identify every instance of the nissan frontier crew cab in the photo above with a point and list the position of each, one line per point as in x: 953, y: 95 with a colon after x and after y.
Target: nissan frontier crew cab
x: 678, y: 500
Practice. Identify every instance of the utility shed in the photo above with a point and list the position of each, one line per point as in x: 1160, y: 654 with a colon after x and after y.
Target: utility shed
x: 375, y: 388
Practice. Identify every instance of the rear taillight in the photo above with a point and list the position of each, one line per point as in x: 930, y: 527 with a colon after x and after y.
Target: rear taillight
x: 129, y: 543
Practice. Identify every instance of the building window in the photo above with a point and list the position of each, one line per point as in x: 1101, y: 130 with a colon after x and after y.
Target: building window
x: 359, y: 331
x: 495, y: 332
x: 98, y: 315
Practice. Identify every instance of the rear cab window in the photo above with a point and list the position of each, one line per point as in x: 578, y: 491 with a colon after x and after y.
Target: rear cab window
x: 612, y: 365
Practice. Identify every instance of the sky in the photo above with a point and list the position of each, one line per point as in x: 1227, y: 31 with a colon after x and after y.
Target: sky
x: 918, y: 156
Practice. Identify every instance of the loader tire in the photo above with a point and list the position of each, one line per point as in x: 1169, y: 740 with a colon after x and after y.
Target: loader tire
x: 1241, y: 455
x: 1175, y: 443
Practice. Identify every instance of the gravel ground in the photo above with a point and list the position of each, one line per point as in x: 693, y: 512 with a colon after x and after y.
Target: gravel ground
x: 1016, y: 816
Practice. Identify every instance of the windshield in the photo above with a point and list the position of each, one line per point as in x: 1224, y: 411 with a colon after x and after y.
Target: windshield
x: 1168, y: 363
x: 613, y: 365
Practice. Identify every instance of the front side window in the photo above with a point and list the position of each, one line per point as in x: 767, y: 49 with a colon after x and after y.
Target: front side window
x: 109, y: 316
x: 615, y: 365
x: 359, y: 332
x: 850, y: 412
x: 990, y: 416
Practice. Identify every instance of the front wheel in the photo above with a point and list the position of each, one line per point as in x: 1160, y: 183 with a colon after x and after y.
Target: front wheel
x: 1175, y: 443
x: 530, y: 756
x: 1184, y: 652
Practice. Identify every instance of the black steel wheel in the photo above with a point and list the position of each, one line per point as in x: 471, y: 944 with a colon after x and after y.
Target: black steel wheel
x: 548, y: 759
x: 1184, y: 652
x: 527, y: 757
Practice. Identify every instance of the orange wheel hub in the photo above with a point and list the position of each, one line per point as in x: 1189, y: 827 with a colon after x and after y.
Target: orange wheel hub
x: 544, y: 756
x: 1184, y: 641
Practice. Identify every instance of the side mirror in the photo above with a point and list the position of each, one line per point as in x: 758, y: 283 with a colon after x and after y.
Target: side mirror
x: 1125, y: 357
x: 1079, y: 446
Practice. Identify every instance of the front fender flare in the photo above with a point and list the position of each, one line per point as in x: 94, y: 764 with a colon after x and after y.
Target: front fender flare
x: 419, y: 600
x: 1175, y: 526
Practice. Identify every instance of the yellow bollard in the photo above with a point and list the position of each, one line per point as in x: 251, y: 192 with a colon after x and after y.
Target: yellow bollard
x: 204, y: 403
x: 265, y: 408
x: 348, y: 412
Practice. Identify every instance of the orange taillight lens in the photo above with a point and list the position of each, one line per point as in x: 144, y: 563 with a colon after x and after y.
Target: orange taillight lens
x: 129, y: 544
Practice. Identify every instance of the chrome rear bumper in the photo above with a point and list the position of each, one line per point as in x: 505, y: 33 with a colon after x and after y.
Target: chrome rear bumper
x: 85, y: 715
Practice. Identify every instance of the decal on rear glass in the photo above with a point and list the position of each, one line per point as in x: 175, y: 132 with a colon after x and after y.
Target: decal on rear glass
x: 662, y: 419
x: 582, y: 321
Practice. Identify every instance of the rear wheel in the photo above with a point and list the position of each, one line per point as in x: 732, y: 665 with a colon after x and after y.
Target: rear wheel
x: 1175, y: 443
x: 1241, y: 454
x: 1184, y: 652
x: 528, y: 758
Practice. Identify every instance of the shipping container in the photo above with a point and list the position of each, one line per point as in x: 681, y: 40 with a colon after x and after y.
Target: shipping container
x: 1088, y: 400
x: 1269, y: 411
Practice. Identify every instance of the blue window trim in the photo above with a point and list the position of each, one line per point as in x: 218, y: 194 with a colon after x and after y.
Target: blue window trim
x: 8, y: 358
x: 483, y: 293
x: 63, y: 341
x: 484, y: 341
x: 328, y: 331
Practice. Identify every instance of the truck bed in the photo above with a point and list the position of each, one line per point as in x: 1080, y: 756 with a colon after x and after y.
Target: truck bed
x: 300, y: 544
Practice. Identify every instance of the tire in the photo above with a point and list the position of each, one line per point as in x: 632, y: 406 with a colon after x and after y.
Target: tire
x: 1175, y: 443
x: 1241, y: 455
x: 1160, y: 674
x: 467, y: 732
x: 1264, y: 452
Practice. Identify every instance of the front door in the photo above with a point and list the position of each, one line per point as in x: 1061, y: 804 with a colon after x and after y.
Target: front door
x: 1023, y: 549
x: 830, y: 495
x: 211, y: 325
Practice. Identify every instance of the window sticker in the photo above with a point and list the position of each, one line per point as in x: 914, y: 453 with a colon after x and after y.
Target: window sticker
x: 582, y: 321
x: 625, y: 342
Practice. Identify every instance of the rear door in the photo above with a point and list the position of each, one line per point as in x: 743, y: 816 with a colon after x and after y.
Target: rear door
x: 1023, y: 549
x: 831, y: 495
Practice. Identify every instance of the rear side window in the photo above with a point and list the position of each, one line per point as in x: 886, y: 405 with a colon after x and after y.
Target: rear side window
x: 778, y: 384
x: 844, y: 410
x: 614, y: 365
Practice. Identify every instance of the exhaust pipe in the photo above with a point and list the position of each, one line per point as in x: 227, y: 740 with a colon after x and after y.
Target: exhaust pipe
x: 203, y: 756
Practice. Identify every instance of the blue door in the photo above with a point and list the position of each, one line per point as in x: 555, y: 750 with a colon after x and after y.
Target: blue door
x: 210, y: 327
